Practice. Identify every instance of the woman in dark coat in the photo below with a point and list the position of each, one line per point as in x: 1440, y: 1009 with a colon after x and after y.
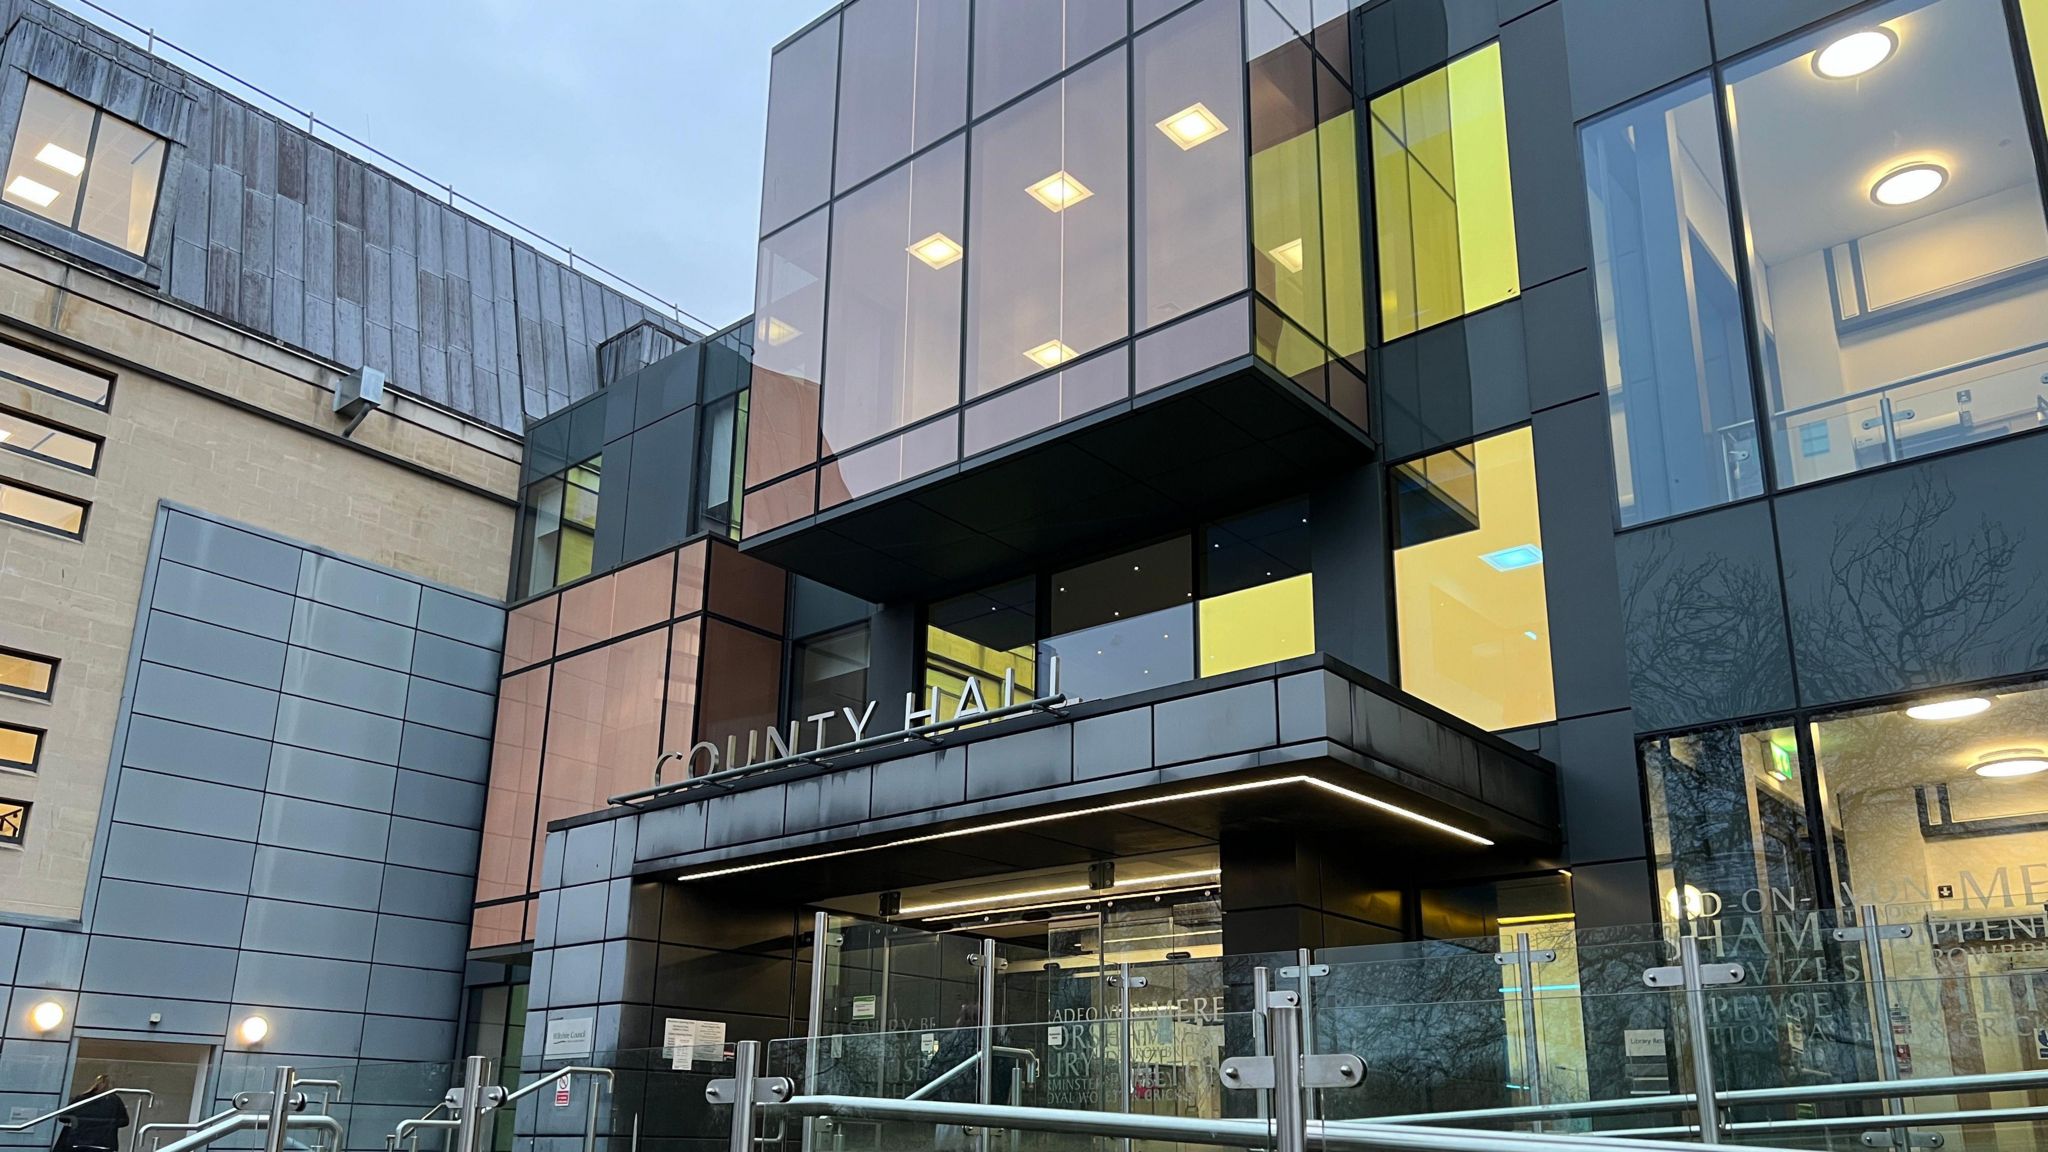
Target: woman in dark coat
x: 96, y: 1127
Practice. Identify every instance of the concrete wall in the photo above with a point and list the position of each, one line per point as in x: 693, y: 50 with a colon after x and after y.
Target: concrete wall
x: 292, y: 826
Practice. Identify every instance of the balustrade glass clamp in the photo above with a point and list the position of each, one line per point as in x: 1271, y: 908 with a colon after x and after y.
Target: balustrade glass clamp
x: 1711, y: 975
x: 1136, y: 982
x: 1337, y: 1070
x: 1880, y: 931
x: 260, y: 1101
x: 1536, y: 956
x: 1293, y: 971
x: 1913, y: 1140
x: 767, y: 1090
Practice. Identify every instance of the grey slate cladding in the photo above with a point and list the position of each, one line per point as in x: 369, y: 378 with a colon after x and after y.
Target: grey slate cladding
x: 266, y: 226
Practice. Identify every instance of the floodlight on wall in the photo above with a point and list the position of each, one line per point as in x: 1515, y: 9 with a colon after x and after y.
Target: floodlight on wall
x: 252, y: 1030
x: 46, y: 1016
x: 357, y: 395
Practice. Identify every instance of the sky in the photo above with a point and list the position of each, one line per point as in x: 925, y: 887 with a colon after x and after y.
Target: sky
x: 629, y: 130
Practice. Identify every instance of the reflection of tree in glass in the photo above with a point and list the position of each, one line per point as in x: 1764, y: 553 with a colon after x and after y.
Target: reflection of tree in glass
x: 1705, y: 636
x: 1916, y: 598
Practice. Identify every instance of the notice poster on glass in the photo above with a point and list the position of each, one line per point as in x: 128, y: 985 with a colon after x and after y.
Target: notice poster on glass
x: 685, y: 1042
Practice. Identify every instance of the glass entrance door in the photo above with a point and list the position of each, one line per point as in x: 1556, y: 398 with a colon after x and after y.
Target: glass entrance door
x: 176, y: 1075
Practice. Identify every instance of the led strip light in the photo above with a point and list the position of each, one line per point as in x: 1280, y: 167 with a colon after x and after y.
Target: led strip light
x: 1123, y: 806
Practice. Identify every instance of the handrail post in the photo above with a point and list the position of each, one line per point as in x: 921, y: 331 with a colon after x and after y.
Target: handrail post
x: 821, y: 946
x: 1290, y: 1121
x: 985, y: 1074
x: 476, y: 1076
x: 746, y: 1065
x: 1532, y: 1056
x: 1262, y: 985
x: 280, y: 1107
x: 1124, y: 1064
x: 596, y: 1086
x: 1872, y: 936
x: 1709, y: 1105
x: 1305, y: 969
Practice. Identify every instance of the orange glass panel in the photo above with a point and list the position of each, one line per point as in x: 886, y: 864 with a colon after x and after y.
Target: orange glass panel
x: 498, y: 925
x: 690, y: 579
x: 745, y: 589
x: 604, y: 727
x: 530, y: 633
x: 744, y: 695
x: 645, y: 592
x: 679, y: 706
x: 586, y: 617
x: 782, y: 502
x: 514, y: 783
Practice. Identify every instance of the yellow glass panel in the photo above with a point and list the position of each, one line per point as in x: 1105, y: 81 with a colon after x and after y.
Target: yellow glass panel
x: 1343, y: 242
x: 950, y: 659
x: 25, y: 674
x: 1471, y: 606
x: 575, y: 547
x: 18, y: 746
x: 1287, y: 229
x: 1488, y: 261
x: 2034, y: 14
x: 1258, y: 625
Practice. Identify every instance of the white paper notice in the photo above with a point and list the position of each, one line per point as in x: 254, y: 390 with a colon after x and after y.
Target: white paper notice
x: 688, y: 1041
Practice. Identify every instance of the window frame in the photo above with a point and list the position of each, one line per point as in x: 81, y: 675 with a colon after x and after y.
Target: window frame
x: 39, y: 735
x: 84, y: 511
x: 47, y: 694
x: 19, y: 839
x: 85, y: 174
x: 98, y: 443
x: 105, y: 405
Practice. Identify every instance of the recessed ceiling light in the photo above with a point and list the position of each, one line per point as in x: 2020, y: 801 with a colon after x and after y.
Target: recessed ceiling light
x: 62, y: 159
x: 1509, y: 559
x: 937, y: 250
x: 23, y: 188
x: 1856, y: 53
x: 1909, y: 184
x: 1059, y: 191
x: 2012, y: 762
x: 781, y: 331
x: 1050, y: 354
x: 1288, y: 255
x: 1949, y: 709
x: 1192, y: 125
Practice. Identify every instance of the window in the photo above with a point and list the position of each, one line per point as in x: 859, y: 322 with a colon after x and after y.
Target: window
x: 1468, y: 583
x: 560, y: 527
x: 721, y: 463
x: 982, y: 636
x: 1258, y: 597
x: 27, y: 366
x: 829, y: 673
x: 1664, y: 262
x: 13, y: 823
x: 1020, y: 44
x: 1444, y: 214
x: 1188, y: 122
x: 24, y: 674
x: 1898, y: 259
x: 1728, y: 818
x: 32, y: 437
x: 797, y: 162
x: 1124, y: 624
x: 37, y: 509
x: 789, y: 343
x: 83, y: 169
x: 902, y: 83
x: 20, y: 747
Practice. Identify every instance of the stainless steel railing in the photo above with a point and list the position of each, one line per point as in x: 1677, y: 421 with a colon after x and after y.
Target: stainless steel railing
x: 148, y: 1099
x: 1028, y: 1065
x: 274, y: 1114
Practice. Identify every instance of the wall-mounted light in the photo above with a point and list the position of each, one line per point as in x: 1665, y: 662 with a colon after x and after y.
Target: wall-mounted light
x: 1908, y: 184
x: 1192, y: 125
x: 252, y: 1030
x: 1949, y: 709
x: 1856, y: 53
x: 46, y: 1016
x: 1060, y: 191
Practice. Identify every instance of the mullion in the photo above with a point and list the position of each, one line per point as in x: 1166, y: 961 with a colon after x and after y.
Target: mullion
x: 92, y: 141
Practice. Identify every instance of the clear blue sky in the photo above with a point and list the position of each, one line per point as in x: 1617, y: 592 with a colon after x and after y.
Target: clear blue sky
x: 628, y: 129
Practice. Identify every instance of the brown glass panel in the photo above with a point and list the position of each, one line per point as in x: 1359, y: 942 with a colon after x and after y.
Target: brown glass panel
x: 797, y: 159
x: 586, y: 617
x: 530, y: 633
x: 645, y: 593
x: 892, y: 355
x: 779, y: 503
x: 903, y: 84
x: 679, y: 702
x: 604, y: 726
x: 789, y: 309
x: 1217, y: 336
x: 508, y: 832
x: 1188, y: 125
x: 1048, y: 278
x: 745, y: 589
x: 498, y: 925
x: 690, y: 579
x: 744, y: 696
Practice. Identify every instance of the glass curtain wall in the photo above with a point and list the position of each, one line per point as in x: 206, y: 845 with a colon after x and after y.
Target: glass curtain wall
x: 560, y: 527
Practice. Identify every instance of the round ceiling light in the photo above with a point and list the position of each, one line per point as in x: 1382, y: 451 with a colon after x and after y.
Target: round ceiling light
x: 2011, y: 762
x: 1909, y: 184
x: 1949, y: 709
x: 1856, y: 53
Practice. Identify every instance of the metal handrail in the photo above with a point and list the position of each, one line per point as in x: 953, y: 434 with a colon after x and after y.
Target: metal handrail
x: 1030, y: 1069
x: 144, y: 1132
x: 25, y: 1125
x: 245, y: 1121
x: 1922, y: 378
x: 1194, y: 1130
x: 547, y: 1078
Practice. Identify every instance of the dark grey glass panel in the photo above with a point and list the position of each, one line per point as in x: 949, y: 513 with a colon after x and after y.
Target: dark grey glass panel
x: 830, y: 673
x: 1255, y: 548
x: 657, y: 504
x: 802, y: 86
x: 1678, y: 385
x: 1020, y: 43
x: 1122, y: 587
x: 1918, y: 577
x: 1705, y: 624
x: 1125, y: 655
x: 1728, y: 821
x: 1898, y: 253
x: 903, y: 84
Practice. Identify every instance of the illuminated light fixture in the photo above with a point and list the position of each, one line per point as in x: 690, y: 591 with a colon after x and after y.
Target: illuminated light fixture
x: 1949, y: 709
x: 1192, y: 125
x: 781, y: 331
x: 2011, y: 762
x: 1077, y: 903
x: 937, y: 250
x: 1543, y: 918
x: 1062, y: 890
x: 1509, y: 559
x: 1908, y: 184
x: 1687, y: 903
x: 4, y: 434
x: 45, y: 1017
x: 1288, y: 255
x: 1059, y: 191
x: 23, y: 188
x: 252, y: 1029
x: 1099, y: 809
x: 1856, y: 53
x: 1050, y: 354
x: 1565, y: 872
x: 62, y: 159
